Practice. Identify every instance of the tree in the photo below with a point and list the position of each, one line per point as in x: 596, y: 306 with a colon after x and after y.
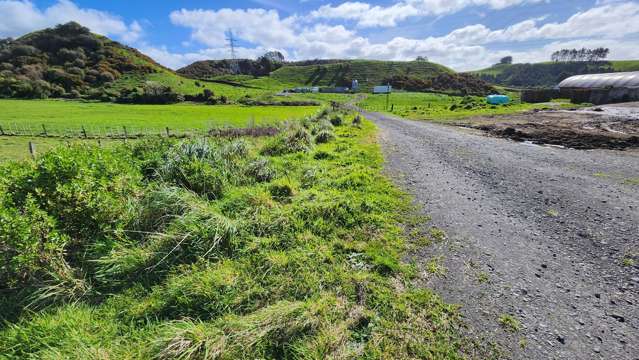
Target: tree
x: 274, y: 57
x: 506, y: 60
x: 583, y: 54
x: 422, y: 58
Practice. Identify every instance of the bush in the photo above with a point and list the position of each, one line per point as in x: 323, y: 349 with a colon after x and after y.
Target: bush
x: 30, y: 246
x: 324, y: 136
x: 337, y: 120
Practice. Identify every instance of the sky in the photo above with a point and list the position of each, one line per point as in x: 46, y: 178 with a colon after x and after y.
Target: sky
x: 461, y: 34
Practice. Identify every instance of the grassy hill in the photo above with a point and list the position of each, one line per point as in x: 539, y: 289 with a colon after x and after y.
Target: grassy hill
x: 549, y: 73
x: 368, y: 72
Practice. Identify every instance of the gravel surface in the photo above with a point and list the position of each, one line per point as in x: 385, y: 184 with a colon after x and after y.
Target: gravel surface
x: 540, y: 233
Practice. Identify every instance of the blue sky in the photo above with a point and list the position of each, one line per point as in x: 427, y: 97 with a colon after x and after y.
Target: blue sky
x: 462, y: 34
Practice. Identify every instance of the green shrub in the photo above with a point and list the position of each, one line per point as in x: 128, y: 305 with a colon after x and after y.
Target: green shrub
x: 337, y: 120
x: 30, y: 246
x: 85, y: 189
x: 324, y: 136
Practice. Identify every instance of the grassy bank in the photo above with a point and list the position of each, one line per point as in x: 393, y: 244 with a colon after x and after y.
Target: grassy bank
x: 287, y: 247
x: 444, y: 108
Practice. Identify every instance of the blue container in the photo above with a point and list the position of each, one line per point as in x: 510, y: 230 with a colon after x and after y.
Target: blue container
x: 497, y: 99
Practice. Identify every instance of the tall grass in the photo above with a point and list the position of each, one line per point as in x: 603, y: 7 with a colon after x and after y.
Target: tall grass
x: 287, y: 247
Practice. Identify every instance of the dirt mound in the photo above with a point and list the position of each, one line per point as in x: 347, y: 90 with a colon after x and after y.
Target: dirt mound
x: 608, y: 127
x: 576, y: 139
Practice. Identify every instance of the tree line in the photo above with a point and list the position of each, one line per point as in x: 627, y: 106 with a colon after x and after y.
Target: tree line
x: 589, y: 55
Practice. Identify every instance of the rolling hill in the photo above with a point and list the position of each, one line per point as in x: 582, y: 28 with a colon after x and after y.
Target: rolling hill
x: 548, y: 74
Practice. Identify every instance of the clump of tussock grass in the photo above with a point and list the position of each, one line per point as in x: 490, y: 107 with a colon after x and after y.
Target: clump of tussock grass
x: 260, y: 170
x: 199, y: 234
x: 159, y: 206
x: 296, y: 139
x: 64, y: 286
x: 324, y: 136
x: 310, y: 176
x: 264, y: 333
x: 282, y: 190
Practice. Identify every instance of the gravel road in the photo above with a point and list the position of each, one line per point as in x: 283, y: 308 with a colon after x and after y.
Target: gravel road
x: 540, y: 233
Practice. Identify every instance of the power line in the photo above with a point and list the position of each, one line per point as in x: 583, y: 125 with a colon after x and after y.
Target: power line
x: 230, y: 38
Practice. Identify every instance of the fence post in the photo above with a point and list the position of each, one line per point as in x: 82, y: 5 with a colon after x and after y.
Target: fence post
x: 32, y: 150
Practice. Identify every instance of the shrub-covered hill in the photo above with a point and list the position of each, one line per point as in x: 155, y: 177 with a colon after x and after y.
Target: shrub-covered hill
x: 207, y: 69
x: 66, y: 61
x: 550, y: 73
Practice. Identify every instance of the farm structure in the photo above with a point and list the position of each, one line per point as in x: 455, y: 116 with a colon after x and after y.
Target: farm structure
x: 385, y: 89
x: 601, y: 88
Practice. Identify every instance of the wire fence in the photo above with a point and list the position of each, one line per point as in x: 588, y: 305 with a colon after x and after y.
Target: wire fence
x: 265, y: 128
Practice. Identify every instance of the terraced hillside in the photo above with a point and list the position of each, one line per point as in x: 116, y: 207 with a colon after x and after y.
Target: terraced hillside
x: 368, y: 72
x: 549, y: 73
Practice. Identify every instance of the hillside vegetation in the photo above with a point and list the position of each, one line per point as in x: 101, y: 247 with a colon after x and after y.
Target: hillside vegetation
x: 288, y: 247
x: 369, y: 73
x: 549, y: 74
x: 66, y: 61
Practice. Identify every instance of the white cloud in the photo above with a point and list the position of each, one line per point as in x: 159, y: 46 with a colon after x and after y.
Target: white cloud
x: 22, y: 16
x: 257, y: 26
x: 462, y: 49
x: 367, y: 15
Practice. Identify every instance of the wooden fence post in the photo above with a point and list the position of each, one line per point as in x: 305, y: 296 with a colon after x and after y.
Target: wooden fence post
x: 32, y: 150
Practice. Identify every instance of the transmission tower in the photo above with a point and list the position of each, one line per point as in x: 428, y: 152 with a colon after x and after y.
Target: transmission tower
x: 230, y: 38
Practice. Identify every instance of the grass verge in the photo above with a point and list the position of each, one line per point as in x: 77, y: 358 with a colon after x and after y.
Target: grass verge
x: 287, y: 247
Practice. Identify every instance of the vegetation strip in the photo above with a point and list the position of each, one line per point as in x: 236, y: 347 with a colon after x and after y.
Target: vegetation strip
x: 287, y: 247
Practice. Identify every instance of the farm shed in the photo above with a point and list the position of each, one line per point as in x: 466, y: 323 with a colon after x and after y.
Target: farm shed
x: 602, y: 88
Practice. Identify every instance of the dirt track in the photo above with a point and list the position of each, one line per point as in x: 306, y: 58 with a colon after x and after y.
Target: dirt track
x: 536, y: 232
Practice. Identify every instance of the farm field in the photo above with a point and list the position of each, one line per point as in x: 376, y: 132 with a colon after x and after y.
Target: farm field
x: 445, y: 108
x: 63, y: 115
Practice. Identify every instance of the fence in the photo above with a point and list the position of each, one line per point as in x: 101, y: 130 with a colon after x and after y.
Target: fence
x: 132, y: 132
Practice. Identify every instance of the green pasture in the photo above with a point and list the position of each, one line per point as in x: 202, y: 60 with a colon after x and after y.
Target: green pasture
x: 59, y: 115
x: 445, y: 108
